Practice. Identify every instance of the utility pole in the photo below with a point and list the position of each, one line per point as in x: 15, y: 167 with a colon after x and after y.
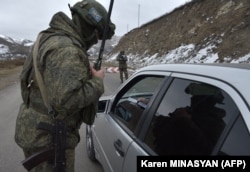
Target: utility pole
x: 139, y: 15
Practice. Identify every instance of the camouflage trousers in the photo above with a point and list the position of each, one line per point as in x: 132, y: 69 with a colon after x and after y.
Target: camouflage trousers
x: 123, y: 70
x: 48, y: 167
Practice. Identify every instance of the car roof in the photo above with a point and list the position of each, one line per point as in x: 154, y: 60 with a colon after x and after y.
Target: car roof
x: 236, y: 74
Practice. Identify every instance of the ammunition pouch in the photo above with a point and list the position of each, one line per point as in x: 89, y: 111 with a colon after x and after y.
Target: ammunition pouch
x: 89, y: 113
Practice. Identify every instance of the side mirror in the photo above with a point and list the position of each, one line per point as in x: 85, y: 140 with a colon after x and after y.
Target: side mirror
x: 102, y: 106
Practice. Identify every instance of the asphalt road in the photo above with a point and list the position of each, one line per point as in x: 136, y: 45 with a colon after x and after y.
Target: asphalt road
x: 11, y: 155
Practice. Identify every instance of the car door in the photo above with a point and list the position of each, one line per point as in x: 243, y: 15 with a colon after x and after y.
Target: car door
x: 115, y: 131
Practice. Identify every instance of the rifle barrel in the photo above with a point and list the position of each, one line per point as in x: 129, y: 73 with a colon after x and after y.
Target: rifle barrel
x: 99, y: 60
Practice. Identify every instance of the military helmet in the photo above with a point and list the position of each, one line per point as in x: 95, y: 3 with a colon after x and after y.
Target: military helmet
x: 94, y: 14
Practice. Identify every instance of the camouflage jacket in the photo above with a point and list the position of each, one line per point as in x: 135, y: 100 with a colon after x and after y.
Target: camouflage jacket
x: 122, y: 60
x: 73, y: 92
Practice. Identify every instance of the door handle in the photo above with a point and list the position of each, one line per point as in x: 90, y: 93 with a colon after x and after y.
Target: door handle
x: 118, y: 147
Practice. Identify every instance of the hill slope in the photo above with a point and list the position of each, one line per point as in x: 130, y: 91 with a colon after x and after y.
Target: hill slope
x: 218, y: 29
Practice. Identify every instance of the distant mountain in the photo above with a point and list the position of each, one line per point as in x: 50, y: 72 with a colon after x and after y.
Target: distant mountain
x: 11, y: 48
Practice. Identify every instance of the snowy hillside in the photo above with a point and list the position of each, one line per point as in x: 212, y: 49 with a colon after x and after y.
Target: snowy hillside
x: 14, y: 48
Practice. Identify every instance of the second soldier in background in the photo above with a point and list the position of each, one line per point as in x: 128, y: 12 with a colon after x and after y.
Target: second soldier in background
x: 122, y: 59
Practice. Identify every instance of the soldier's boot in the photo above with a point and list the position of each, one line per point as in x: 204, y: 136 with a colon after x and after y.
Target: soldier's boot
x: 126, y: 75
x: 121, y: 77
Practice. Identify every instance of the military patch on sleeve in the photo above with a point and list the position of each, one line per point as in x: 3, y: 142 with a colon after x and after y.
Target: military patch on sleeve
x: 94, y: 13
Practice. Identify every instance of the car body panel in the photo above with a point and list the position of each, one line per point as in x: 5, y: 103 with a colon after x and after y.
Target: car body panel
x: 131, y: 162
x: 113, y: 133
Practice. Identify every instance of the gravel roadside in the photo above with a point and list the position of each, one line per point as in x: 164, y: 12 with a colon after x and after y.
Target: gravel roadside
x: 9, y: 76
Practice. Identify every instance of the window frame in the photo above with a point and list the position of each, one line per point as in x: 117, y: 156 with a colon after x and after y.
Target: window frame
x: 135, y: 79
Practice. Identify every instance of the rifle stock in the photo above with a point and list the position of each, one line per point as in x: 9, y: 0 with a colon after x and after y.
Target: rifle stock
x: 56, y: 153
x: 37, y: 158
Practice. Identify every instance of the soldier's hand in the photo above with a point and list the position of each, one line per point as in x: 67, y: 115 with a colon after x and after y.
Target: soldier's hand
x: 98, y: 74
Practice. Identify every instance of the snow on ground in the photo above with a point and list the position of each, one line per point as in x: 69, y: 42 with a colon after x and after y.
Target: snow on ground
x: 182, y: 54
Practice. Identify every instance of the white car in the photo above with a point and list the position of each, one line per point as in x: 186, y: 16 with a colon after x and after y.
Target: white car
x: 173, y: 109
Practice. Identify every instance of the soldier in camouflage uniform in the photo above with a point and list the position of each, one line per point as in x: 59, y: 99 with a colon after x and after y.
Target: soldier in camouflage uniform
x: 73, y: 86
x: 122, y: 59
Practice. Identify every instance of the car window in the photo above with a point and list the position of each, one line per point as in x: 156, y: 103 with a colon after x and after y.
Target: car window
x: 134, y: 100
x: 237, y: 144
x: 190, y: 119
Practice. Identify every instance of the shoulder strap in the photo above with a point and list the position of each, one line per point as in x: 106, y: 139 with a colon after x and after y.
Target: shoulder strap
x: 39, y: 76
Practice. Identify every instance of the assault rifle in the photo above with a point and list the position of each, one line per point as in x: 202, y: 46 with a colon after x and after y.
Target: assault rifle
x: 98, y: 63
x: 56, y: 153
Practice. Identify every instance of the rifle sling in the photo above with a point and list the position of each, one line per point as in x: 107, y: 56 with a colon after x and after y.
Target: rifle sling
x: 38, y: 74
x: 40, y: 81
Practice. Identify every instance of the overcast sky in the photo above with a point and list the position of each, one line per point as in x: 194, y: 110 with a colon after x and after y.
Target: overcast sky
x: 25, y: 18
